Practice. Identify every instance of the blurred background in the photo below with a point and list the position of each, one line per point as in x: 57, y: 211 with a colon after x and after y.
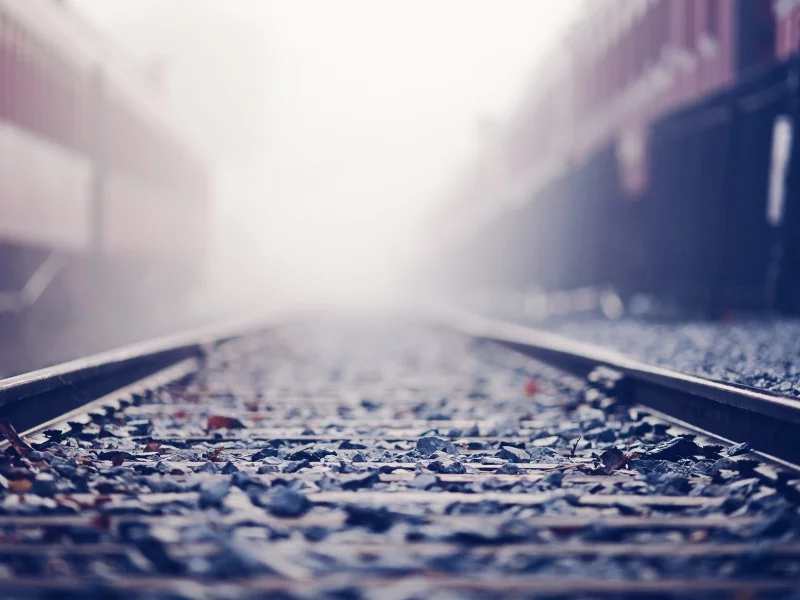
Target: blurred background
x: 169, y: 162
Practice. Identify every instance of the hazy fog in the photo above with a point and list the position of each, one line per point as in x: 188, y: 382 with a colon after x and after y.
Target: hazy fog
x: 335, y: 125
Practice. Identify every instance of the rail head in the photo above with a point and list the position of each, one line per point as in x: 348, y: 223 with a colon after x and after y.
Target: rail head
x: 766, y: 420
x: 141, y: 357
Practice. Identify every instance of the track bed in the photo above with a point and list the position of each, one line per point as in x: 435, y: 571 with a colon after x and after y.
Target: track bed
x: 382, y: 461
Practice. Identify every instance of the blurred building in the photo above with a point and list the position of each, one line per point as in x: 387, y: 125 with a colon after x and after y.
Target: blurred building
x: 626, y: 161
x: 103, y: 203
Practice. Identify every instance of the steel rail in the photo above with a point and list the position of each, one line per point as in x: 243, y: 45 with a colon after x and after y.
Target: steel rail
x: 45, y: 394
x: 769, y: 422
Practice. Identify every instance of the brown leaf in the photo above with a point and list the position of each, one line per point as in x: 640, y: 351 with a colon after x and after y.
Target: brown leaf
x: 118, y: 460
x: 221, y: 422
x: 214, y: 456
x: 153, y: 447
x: 12, y: 437
x: 20, y: 486
x: 614, y: 459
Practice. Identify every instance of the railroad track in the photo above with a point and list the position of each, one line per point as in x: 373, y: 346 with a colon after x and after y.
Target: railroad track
x: 376, y: 460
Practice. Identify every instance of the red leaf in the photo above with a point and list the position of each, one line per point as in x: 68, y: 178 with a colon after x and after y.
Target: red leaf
x: 531, y: 387
x: 220, y: 422
x: 10, y: 434
x: 153, y: 447
x: 180, y: 414
x: 20, y: 486
x: 214, y: 456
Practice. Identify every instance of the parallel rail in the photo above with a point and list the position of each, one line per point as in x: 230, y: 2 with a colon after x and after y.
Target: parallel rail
x: 480, y: 530
x: 769, y: 422
x: 36, y: 397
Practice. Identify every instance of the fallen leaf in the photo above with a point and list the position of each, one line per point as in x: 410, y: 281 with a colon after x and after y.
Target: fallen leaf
x: 153, y: 447
x: 214, y: 456
x: 221, y: 422
x: 118, y: 460
x: 12, y: 437
x: 531, y: 387
x: 20, y: 486
x: 614, y: 459
x: 251, y: 405
x: 115, y: 455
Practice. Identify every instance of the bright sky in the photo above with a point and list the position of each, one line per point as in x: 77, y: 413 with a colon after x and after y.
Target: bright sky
x: 366, y: 110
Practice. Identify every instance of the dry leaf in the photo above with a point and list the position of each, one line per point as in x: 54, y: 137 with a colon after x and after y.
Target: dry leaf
x: 20, y: 486
x: 153, y: 447
x: 214, y: 456
x: 614, y: 459
x: 12, y: 437
x: 221, y: 422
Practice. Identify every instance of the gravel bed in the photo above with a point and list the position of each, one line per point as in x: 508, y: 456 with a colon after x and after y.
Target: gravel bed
x: 762, y: 354
x: 317, y: 459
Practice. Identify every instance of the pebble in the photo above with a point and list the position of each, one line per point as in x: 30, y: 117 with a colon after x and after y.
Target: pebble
x: 288, y: 503
x: 514, y: 455
x: 738, y: 449
x: 673, y: 450
x: 451, y: 466
x: 428, y: 445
